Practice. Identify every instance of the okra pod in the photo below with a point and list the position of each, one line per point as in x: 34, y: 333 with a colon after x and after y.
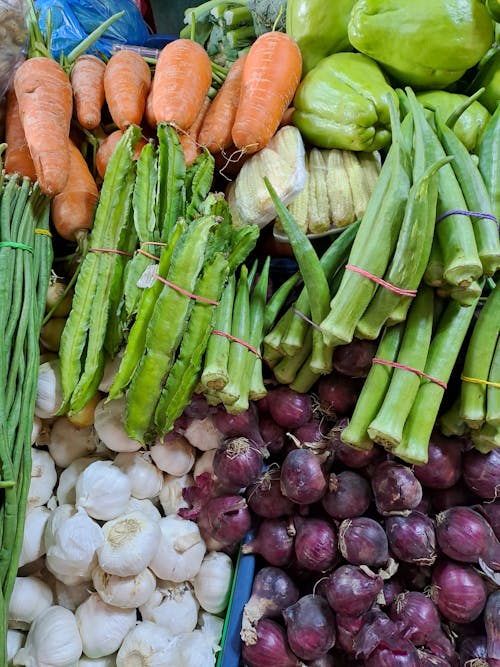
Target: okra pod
x: 486, y: 438
x: 493, y: 389
x: 287, y: 368
x: 433, y: 275
x: 451, y: 423
x: 489, y: 160
x: 278, y: 300
x: 305, y: 379
x: 258, y: 300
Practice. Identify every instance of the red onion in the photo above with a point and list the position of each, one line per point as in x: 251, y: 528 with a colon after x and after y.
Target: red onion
x: 492, y: 625
x: 428, y: 659
x: 273, y: 435
x: 458, y: 494
x: 244, y: 424
x: 274, y: 542
x: 326, y: 660
x: 310, y: 627
x: 355, y: 358
x: 458, y: 590
x: 441, y: 646
x: 225, y: 519
x: 377, y: 628
x: 337, y: 394
x: 348, y: 495
x: 491, y: 511
x: 271, y: 648
x: 473, y: 652
x: 262, y: 406
x: 480, y: 473
x: 362, y: 541
x: 311, y: 435
x: 396, y: 653
x: 315, y: 543
x: 272, y: 591
x: 351, y: 590
x: 288, y: 408
x: 412, y: 538
x: 463, y: 534
x: 395, y: 487
x: 444, y: 463
x: 198, y: 407
x: 417, y: 617
x: 237, y: 463
x: 348, y: 455
x: 265, y: 499
x: 392, y: 588
x: 302, y: 478
x: 347, y: 629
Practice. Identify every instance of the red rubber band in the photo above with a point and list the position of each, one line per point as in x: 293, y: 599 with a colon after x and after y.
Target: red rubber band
x: 148, y: 254
x: 380, y: 281
x: 238, y: 340
x: 112, y: 250
x: 185, y: 292
x: 394, y: 364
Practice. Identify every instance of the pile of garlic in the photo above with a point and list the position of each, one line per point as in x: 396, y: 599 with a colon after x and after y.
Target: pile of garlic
x: 109, y: 574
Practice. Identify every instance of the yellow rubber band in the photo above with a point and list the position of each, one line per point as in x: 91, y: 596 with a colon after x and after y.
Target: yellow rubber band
x: 478, y: 381
x: 42, y: 231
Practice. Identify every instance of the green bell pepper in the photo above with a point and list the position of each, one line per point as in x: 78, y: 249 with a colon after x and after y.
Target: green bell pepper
x: 343, y: 103
x: 470, y: 126
x: 319, y: 28
x: 424, y: 44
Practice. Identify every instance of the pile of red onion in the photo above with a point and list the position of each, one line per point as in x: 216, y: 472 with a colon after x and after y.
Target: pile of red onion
x: 361, y: 559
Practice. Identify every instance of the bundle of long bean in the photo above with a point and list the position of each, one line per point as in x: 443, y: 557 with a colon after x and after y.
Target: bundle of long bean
x: 25, y: 263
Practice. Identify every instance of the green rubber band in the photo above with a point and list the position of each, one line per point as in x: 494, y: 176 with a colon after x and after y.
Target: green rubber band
x: 13, y: 244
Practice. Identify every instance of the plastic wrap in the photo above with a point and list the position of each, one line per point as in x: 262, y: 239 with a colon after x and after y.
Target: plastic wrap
x: 13, y: 39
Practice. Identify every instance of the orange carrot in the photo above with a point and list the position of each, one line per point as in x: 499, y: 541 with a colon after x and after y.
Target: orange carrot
x: 149, y: 116
x: 87, y: 80
x: 45, y: 99
x: 126, y: 84
x: 270, y: 78
x: 106, y: 148
x: 189, y: 138
x: 73, y: 209
x: 182, y: 80
x: 17, y: 154
x: 215, y: 131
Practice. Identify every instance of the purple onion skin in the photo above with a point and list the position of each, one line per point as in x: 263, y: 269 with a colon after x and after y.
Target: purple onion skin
x: 463, y: 534
x: 429, y: 659
x: 288, y: 408
x: 480, y: 473
x: 245, y: 424
x: 302, y: 478
x: 350, y: 591
x: 412, y: 538
x: 274, y: 541
x: 471, y: 649
x: 491, y: 512
x: 349, y: 495
x: 458, y: 590
x: 349, y: 456
x: 225, y: 519
x: 416, y: 616
x: 272, y: 591
x: 355, y: 358
x: 444, y: 463
x: 198, y: 407
x: 310, y: 626
x: 399, y: 653
x: 458, y: 494
x: 272, y: 434
x: 392, y: 588
x: 492, y: 625
x: 237, y: 463
x: 310, y: 432
x: 377, y: 629
x: 271, y: 649
x: 265, y: 498
x: 347, y: 630
x: 395, y: 488
x: 315, y: 544
x: 337, y: 394
x: 362, y: 541
x: 326, y: 660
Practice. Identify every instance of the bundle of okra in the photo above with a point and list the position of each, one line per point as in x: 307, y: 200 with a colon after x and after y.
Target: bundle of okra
x: 25, y: 264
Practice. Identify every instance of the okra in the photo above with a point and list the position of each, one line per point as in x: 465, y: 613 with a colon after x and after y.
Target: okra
x: 451, y: 423
x: 258, y: 300
x: 493, y: 390
x: 305, y: 379
x: 287, y: 368
x: 433, y: 274
x: 272, y: 340
x: 486, y: 438
x: 278, y: 300
x: 489, y: 160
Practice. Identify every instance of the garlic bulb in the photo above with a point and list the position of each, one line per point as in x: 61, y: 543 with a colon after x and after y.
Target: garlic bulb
x: 129, y: 544
x: 15, y: 641
x: 106, y: 661
x: 68, y: 443
x: 212, y: 584
x: 194, y: 649
x: 173, y: 606
x: 43, y: 477
x: 66, y: 494
x: 103, y: 490
x: 174, y: 456
x: 53, y: 640
x: 145, y: 506
x: 212, y: 626
x: 148, y: 644
x: 30, y: 596
x: 180, y: 552
x: 170, y: 496
x: 109, y: 420
x: 145, y: 478
x: 71, y: 541
x: 71, y: 597
x: 33, y: 541
x: 203, y: 434
x: 205, y: 463
x: 102, y: 627
x: 36, y: 429
x: 125, y: 592
x: 49, y: 397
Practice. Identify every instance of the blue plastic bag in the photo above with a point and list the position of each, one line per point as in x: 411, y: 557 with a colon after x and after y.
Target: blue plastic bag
x: 73, y: 20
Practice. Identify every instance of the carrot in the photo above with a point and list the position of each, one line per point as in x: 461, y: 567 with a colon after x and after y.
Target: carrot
x: 45, y: 99
x: 127, y: 79
x: 87, y: 80
x: 17, y: 154
x: 183, y: 78
x: 149, y: 116
x: 106, y: 148
x: 189, y: 138
x: 215, y: 131
x: 286, y: 119
x: 73, y: 209
x: 270, y: 78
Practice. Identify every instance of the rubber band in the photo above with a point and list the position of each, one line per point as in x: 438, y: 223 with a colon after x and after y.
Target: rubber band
x: 472, y: 214
x: 148, y: 254
x: 403, y: 367
x: 112, y: 250
x: 380, y: 281
x: 185, y: 292
x: 45, y: 232
x: 479, y: 381
x: 306, y: 319
x: 238, y: 340
x: 14, y: 244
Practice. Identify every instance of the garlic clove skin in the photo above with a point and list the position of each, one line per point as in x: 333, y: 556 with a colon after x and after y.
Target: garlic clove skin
x: 36, y: 429
x: 174, y: 607
x: 109, y: 420
x: 148, y: 644
x: 124, y: 592
x: 174, y: 455
x: 102, y: 627
x: 203, y: 434
x: 15, y: 641
x: 205, y: 463
x: 212, y: 584
x: 194, y: 649
x: 33, y: 537
x: 30, y: 596
x: 146, y: 506
x: 66, y: 493
x: 106, y: 661
x: 49, y: 396
x: 146, y: 480
x: 130, y: 542
x: 212, y: 625
x: 53, y: 640
x: 71, y: 596
x: 43, y: 477
x: 180, y: 552
x: 170, y: 497
x: 102, y: 490
x: 68, y: 443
